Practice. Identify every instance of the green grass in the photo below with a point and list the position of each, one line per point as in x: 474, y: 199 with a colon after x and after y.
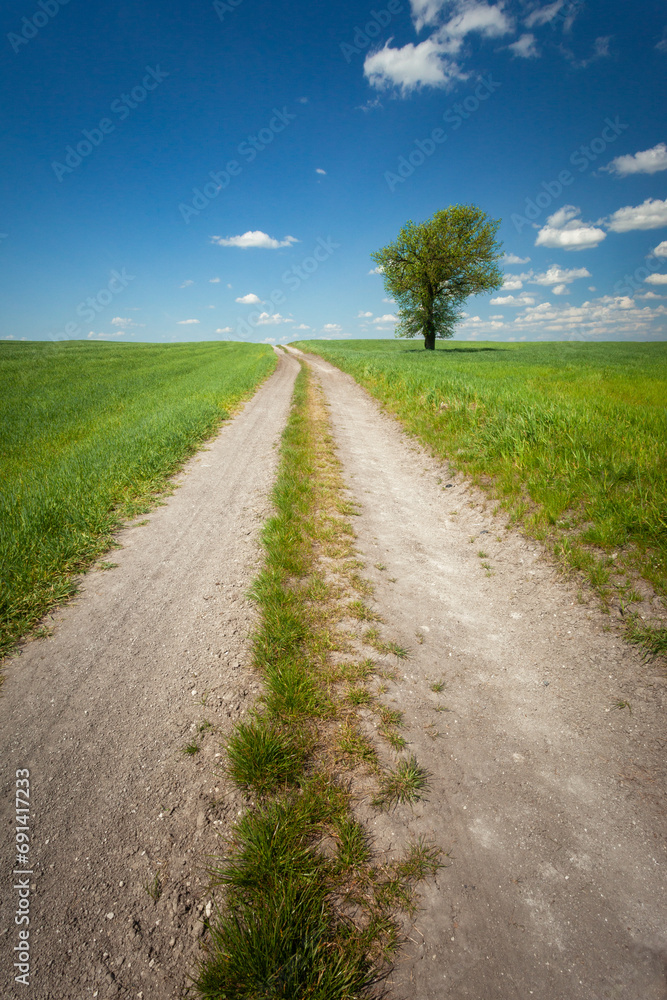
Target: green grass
x: 90, y: 435
x: 264, y: 757
x: 570, y: 437
x: 651, y: 636
x: 405, y: 784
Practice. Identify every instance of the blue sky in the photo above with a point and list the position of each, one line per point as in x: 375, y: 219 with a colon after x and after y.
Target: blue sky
x: 196, y: 171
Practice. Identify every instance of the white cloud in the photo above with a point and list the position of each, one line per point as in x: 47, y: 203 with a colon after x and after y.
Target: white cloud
x: 268, y: 340
x: 513, y: 300
x: 426, y: 11
x: 430, y: 63
x: 656, y: 279
x: 648, y: 295
x: 364, y: 315
x: 121, y: 321
x: 390, y: 302
x: 318, y: 170
x: 661, y: 249
x: 567, y: 232
x: 214, y: 281
x: 544, y: 15
x: 271, y: 319
x: 249, y: 300
x: 651, y: 214
x: 302, y: 326
x: 560, y: 275
x: 608, y: 317
x: 488, y: 20
x: 512, y: 282
x: 649, y: 161
x: 524, y: 47
x: 187, y: 283
x: 559, y: 289
x: 254, y: 238
x: 600, y: 51
x: 376, y: 270
x: 187, y: 322
x: 422, y: 65
x: 563, y: 215
x: 511, y: 258
x: 387, y: 318
x: 371, y: 104
x: 331, y: 328
x: 225, y: 329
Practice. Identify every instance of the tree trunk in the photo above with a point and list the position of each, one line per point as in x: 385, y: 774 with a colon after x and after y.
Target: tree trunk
x: 429, y: 329
x: 429, y: 323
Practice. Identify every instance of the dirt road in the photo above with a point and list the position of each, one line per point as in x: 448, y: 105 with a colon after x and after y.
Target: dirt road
x: 122, y: 820
x: 550, y: 800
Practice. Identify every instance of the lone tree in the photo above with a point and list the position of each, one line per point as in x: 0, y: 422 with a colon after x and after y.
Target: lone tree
x: 432, y: 268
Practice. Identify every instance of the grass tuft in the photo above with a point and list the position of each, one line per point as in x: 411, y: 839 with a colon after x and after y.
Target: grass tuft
x: 404, y: 784
x: 354, y: 746
x: 264, y: 757
x: 652, y: 637
x: 362, y: 612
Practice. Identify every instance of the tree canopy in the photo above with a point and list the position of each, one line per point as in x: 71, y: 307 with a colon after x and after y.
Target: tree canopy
x: 432, y: 267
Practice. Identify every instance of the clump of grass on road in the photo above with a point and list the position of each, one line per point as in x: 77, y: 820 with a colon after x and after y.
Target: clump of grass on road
x: 298, y: 921
x: 570, y: 437
x: 90, y: 435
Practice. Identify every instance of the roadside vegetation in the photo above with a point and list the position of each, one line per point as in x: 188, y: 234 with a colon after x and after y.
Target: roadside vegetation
x: 91, y: 434
x: 304, y: 911
x: 569, y: 438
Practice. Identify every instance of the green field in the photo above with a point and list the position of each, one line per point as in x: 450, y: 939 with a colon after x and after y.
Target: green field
x: 570, y: 437
x: 90, y: 434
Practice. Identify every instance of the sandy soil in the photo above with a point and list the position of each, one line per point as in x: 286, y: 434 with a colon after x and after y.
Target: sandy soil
x: 100, y: 712
x: 550, y: 800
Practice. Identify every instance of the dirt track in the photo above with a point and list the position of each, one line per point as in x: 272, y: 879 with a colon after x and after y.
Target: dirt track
x: 550, y: 801
x: 100, y: 713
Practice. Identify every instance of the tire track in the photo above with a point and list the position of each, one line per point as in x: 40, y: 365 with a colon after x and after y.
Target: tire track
x: 137, y: 665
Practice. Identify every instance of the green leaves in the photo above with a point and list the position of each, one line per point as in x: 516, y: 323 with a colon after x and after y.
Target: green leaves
x: 432, y: 267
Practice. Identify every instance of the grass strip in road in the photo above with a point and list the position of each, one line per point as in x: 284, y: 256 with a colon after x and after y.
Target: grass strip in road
x: 91, y: 434
x: 305, y: 913
x: 570, y: 438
